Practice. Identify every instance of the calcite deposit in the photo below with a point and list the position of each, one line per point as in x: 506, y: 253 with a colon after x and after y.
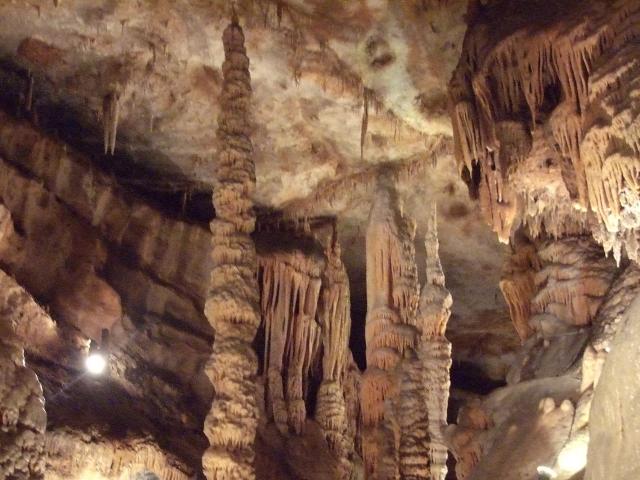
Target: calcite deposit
x: 318, y: 240
x: 232, y: 301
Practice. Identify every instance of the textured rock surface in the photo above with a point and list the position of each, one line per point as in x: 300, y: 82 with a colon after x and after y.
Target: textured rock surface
x: 159, y: 64
x: 108, y: 157
x: 543, y: 93
x: 22, y: 416
x: 233, y: 297
x: 613, y: 450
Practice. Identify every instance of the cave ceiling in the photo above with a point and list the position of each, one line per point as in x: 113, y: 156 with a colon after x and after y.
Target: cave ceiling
x: 343, y: 93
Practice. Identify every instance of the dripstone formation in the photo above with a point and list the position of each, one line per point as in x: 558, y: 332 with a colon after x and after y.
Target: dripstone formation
x: 318, y: 240
x: 232, y: 302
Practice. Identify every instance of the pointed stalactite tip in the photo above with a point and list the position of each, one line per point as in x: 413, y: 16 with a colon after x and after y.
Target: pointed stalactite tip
x: 234, y: 15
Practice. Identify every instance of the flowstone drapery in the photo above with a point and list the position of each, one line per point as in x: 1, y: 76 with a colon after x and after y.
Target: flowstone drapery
x: 290, y: 281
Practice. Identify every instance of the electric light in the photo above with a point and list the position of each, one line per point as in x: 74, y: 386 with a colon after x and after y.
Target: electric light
x: 573, y: 457
x: 546, y: 473
x: 95, y: 363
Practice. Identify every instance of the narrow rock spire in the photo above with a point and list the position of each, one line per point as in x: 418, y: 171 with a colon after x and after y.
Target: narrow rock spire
x: 232, y: 306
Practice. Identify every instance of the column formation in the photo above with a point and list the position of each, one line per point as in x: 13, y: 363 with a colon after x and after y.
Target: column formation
x: 232, y: 305
x: 392, y: 300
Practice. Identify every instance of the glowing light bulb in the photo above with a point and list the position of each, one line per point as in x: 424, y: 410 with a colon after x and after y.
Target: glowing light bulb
x: 574, y: 457
x: 545, y: 472
x: 95, y: 363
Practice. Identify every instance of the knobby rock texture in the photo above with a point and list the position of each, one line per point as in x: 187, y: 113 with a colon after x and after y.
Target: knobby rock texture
x: 424, y: 376
x: 23, y: 419
x: 232, y: 305
x: 551, y: 91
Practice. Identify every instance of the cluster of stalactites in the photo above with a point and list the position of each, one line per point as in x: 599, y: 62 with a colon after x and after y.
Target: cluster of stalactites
x: 518, y: 286
x: 232, y: 306
x: 390, y: 330
x: 23, y: 419
x: 290, y: 283
x: 574, y: 78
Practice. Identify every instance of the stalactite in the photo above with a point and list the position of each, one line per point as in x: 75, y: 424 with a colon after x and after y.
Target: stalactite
x: 290, y: 284
x: 365, y: 120
x: 232, y: 306
x: 392, y: 300
x: 335, y: 320
x: 110, y: 117
x: 576, y: 79
x: 518, y: 286
x: 28, y: 103
x: 424, y: 376
x: 566, y: 126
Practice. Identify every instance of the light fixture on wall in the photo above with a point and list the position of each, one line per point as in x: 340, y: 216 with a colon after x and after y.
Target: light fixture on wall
x: 546, y: 473
x: 573, y: 457
x: 96, y: 361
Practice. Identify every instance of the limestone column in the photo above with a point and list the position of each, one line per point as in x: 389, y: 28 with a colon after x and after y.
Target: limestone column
x: 392, y: 299
x: 424, y: 376
x: 232, y: 303
x: 335, y: 318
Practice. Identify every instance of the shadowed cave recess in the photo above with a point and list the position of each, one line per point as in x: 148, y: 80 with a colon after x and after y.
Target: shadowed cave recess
x: 319, y: 239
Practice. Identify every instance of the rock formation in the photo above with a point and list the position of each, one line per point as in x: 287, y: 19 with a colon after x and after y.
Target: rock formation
x: 424, y: 376
x: 236, y: 232
x: 392, y: 300
x: 23, y: 419
x: 232, y: 302
x: 542, y: 94
x: 609, y: 385
x: 537, y: 107
x: 291, y: 282
x: 335, y: 318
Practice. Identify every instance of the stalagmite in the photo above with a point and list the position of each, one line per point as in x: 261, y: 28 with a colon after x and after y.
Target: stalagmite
x: 392, y: 300
x: 424, y: 376
x: 335, y: 319
x: 232, y: 306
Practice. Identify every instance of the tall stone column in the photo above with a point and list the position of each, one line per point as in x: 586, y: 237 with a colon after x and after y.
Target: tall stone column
x: 232, y: 303
x: 335, y: 318
x: 392, y: 299
x: 424, y: 376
